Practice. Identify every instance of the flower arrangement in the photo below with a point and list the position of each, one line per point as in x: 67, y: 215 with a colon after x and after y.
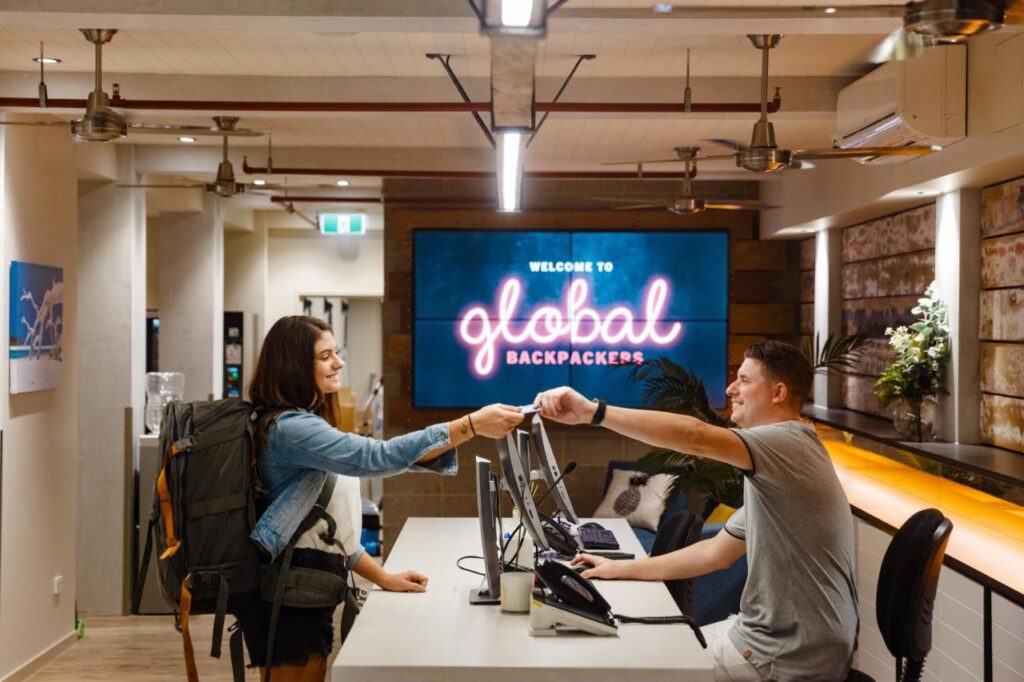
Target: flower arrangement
x: 922, y: 353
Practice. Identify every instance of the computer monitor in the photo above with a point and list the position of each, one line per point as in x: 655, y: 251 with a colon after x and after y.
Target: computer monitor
x: 518, y: 483
x: 490, y: 591
x: 549, y: 468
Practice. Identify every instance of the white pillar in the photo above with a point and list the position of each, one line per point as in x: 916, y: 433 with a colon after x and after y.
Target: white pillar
x: 192, y: 298
x: 828, y: 313
x: 958, y: 273
x: 112, y: 342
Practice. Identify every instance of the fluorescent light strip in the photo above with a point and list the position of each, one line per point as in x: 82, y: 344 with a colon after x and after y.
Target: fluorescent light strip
x: 510, y: 171
x: 516, y: 13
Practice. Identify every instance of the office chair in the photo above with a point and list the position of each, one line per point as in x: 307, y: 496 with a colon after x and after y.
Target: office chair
x: 678, y: 531
x: 907, y: 583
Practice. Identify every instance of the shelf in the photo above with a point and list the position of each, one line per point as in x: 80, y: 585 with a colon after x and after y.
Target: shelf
x: 1004, y: 466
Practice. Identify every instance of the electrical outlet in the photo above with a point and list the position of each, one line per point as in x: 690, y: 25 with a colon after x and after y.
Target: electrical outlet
x: 58, y: 583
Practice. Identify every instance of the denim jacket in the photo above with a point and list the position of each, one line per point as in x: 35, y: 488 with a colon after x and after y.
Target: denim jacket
x: 302, y: 448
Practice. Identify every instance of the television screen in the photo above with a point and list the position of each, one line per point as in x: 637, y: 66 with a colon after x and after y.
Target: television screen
x: 499, y: 315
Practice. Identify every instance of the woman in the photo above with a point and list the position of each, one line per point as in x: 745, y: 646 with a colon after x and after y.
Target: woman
x: 294, y: 387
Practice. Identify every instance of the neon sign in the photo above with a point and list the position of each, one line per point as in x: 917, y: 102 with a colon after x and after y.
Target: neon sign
x: 574, y: 322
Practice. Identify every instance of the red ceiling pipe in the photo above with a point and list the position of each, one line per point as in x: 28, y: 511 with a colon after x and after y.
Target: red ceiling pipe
x: 406, y: 107
x: 284, y: 199
x: 390, y: 173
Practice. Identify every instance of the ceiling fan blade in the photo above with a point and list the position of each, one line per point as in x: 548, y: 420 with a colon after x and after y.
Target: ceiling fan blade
x: 34, y: 123
x: 195, y: 186
x: 639, y: 207
x: 171, y: 129
x: 731, y: 144
x: 646, y: 161
x: 739, y: 204
x: 909, y: 150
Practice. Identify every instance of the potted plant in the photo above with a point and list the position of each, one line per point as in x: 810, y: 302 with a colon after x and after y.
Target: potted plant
x: 922, y: 353
x: 671, y: 388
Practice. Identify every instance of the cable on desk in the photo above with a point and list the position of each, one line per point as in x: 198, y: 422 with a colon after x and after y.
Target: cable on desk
x: 458, y: 564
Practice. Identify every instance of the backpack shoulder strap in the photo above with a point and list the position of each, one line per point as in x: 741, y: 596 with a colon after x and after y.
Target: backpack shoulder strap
x: 318, y: 511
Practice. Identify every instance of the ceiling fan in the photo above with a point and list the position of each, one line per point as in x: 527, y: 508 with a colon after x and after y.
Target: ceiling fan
x: 686, y: 202
x: 101, y: 123
x: 763, y: 155
x: 225, y: 184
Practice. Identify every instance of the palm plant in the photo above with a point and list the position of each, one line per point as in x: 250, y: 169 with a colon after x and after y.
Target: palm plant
x: 670, y: 387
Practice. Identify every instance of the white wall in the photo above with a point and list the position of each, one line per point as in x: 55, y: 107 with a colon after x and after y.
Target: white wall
x: 37, y: 540
x: 112, y: 284
x: 245, y: 287
x: 307, y: 262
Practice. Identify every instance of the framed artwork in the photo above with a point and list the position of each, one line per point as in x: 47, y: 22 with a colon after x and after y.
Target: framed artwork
x: 36, y: 327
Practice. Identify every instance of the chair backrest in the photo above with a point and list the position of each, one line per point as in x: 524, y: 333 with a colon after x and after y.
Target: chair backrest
x: 678, y: 531
x: 907, y: 583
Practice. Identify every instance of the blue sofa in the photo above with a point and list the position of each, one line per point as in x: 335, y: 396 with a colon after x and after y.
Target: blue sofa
x: 715, y: 595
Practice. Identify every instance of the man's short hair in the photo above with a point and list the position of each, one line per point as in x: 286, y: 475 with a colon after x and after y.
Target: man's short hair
x: 785, y: 363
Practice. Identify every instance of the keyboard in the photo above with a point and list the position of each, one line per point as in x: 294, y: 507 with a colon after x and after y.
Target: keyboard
x: 597, y: 538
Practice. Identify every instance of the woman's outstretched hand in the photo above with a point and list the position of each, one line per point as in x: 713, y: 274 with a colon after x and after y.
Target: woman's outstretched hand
x: 406, y: 581
x: 494, y: 421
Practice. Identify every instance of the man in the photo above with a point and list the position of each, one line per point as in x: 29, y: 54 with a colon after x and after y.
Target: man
x: 798, y: 614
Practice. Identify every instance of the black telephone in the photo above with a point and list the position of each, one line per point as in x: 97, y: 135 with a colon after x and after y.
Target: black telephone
x: 573, y: 589
x: 558, y: 537
x: 585, y: 608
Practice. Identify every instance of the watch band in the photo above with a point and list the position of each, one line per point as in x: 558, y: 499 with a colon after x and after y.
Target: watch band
x: 599, y: 412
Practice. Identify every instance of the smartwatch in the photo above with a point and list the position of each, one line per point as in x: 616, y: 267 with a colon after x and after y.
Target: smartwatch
x: 599, y: 412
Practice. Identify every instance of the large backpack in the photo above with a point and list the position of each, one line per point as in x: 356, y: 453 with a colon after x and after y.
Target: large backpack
x: 204, y: 509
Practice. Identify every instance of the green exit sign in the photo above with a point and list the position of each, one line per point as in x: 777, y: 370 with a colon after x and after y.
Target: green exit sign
x: 342, y: 223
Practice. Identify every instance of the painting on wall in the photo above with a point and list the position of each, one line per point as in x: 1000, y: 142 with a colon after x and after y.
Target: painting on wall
x: 36, y: 327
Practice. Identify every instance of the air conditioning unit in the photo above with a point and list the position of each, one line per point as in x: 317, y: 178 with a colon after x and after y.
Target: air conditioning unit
x: 920, y: 100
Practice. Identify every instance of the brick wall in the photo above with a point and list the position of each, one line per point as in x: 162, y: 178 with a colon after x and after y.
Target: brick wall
x: 1001, y: 324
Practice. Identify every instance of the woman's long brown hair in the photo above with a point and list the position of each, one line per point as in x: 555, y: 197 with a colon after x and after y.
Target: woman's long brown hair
x: 284, y: 377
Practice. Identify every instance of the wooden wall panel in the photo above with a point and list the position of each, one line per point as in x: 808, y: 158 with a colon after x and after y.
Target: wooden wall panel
x: 763, y: 318
x: 860, y: 279
x: 859, y: 394
x: 806, y: 319
x: 1002, y: 261
x: 887, y: 264
x: 807, y: 253
x: 1002, y: 368
x: 1001, y: 315
x: 860, y: 242
x: 807, y: 286
x: 872, y: 316
x: 760, y: 255
x: 1002, y: 208
x: 906, y: 275
x: 912, y: 230
x: 1002, y: 421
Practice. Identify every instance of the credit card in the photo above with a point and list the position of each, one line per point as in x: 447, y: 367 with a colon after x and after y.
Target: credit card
x: 528, y: 409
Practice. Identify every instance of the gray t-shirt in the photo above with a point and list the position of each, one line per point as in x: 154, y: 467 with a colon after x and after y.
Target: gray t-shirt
x: 798, y: 614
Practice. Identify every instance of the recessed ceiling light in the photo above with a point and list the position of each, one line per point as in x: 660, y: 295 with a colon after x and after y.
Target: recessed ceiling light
x: 258, y: 182
x: 186, y: 139
x: 46, y: 60
x: 662, y: 7
x: 929, y: 192
x: 341, y: 183
x: 830, y: 10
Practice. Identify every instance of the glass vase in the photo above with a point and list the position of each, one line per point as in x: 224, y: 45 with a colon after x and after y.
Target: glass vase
x: 915, y: 421
x: 161, y: 388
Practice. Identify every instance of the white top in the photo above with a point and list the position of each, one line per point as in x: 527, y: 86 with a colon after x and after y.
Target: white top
x: 346, y: 508
x: 437, y: 636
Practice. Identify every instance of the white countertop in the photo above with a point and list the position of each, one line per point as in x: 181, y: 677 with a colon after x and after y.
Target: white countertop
x: 438, y: 636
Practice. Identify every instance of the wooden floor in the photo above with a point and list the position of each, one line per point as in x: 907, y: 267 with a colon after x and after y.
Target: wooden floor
x: 140, y: 649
